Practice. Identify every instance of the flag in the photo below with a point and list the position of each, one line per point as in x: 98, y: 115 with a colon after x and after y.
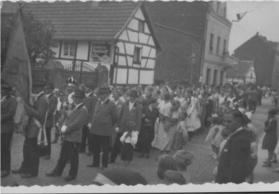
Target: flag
x: 17, y: 67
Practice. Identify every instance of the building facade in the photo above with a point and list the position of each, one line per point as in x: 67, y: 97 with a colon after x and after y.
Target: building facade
x: 264, y: 55
x: 116, y: 35
x: 179, y: 27
x: 215, y: 56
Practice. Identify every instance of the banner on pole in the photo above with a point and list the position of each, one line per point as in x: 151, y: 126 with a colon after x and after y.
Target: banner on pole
x: 17, y: 67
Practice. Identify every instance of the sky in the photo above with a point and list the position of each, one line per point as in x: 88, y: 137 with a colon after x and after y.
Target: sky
x: 262, y: 17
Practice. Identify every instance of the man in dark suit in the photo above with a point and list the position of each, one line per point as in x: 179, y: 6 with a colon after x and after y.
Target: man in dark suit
x: 8, y: 109
x: 49, y: 122
x: 89, y: 102
x: 103, y: 121
x: 235, y: 154
x: 72, y: 132
x: 36, y: 113
x: 130, y: 118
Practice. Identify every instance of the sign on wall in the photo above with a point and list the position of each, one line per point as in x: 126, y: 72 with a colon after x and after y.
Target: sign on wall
x: 100, y: 53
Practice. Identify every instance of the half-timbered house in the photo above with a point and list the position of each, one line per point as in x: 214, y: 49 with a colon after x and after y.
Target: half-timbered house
x: 117, y: 35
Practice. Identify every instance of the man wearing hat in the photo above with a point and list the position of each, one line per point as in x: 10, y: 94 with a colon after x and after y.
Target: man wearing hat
x: 8, y: 109
x: 37, y: 117
x: 50, y: 120
x: 90, y: 102
x: 72, y: 132
x: 103, y: 122
x: 234, y: 160
x: 130, y: 119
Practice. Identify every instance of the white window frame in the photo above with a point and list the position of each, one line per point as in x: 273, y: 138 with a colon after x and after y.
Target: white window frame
x: 69, y: 48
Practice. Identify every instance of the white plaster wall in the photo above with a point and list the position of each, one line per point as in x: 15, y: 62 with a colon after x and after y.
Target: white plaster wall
x: 146, y: 77
x: 133, y: 36
x: 120, y: 46
x: 133, y: 24
x: 143, y: 38
x: 122, y: 61
x: 139, y: 14
x: 121, y: 77
x: 133, y: 76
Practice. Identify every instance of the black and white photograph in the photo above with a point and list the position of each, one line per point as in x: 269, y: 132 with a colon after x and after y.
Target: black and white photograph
x: 110, y: 93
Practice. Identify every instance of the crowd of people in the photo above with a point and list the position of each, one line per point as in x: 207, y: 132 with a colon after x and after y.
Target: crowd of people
x: 111, y: 121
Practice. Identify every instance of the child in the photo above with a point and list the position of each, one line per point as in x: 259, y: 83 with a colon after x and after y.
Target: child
x: 128, y: 140
x: 181, y: 134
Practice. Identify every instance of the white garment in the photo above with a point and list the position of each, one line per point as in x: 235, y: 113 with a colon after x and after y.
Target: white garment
x: 132, y: 139
x: 165, y: 108
x: 70, y: 98
x: 131, y: 105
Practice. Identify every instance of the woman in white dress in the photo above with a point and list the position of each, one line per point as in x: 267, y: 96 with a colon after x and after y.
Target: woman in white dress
x: 193, y: 122
x: 163, y: 122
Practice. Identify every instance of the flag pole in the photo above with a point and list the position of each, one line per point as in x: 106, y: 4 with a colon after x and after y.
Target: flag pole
x: 20, y: 12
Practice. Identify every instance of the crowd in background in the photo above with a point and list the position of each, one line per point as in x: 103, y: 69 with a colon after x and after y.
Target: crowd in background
x: 112, y: 121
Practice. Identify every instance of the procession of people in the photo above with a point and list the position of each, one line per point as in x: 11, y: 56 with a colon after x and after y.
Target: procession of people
x: 113, y: 123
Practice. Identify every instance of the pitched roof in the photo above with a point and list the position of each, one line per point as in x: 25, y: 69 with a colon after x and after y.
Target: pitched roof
x: 82, y: 20
x: 187, y: 17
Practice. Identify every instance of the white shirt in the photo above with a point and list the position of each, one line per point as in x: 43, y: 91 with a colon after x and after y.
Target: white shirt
x: 133, y: 139
x: 131, y: 105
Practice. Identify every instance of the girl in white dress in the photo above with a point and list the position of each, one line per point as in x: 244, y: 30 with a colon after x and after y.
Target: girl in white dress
x: 162, y: 123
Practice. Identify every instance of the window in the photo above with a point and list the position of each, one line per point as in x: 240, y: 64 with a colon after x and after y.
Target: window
x: 137, y: 55
x: 141, y: 26
x: 214, y: 78
x: 225, y: 47
x: 69, y: 49
x: 211, y: 42
x: 218, y: 45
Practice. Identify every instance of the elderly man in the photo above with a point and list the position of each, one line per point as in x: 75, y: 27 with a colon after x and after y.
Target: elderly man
x: 72, y: 132
x: 103, y: 123
x: 235, y: 153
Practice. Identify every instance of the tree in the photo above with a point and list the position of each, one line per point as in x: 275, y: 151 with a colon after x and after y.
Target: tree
x: 38, y: 35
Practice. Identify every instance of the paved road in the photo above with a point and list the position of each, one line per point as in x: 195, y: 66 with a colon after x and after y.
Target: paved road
x: 200, y: 171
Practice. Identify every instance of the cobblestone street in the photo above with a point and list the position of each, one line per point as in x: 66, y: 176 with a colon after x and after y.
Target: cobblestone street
x: 200, y: 171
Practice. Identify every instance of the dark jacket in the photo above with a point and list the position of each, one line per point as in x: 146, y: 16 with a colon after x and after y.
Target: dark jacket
x: 8, y: 109
x: 149, y: 116
x: 36, y: 112
x: 104, y: 118
x: 130, y: 118
x: 75, y: 123
x: 90, y: 103
x: 52, y: 104
x: 234, y: 158
x: 270, y: 137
